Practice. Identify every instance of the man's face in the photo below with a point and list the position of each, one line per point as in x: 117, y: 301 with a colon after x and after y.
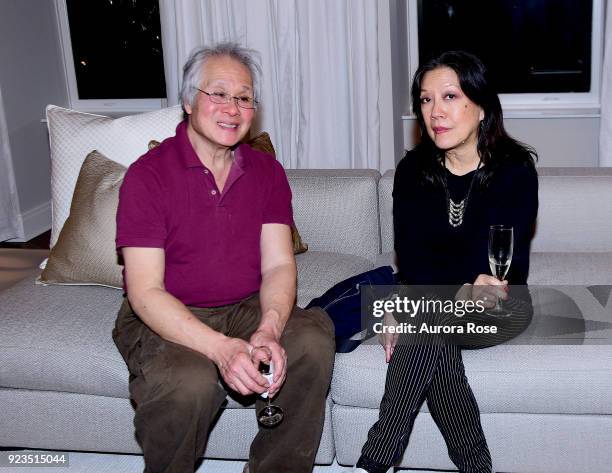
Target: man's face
x: 216, y: 125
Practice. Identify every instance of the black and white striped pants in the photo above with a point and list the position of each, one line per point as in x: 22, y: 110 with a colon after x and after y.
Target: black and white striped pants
x: 432, y: 369
x: 432, y: 372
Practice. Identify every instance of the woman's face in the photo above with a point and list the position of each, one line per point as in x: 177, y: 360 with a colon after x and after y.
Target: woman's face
x: 451, y: 118
x: 221, y: 125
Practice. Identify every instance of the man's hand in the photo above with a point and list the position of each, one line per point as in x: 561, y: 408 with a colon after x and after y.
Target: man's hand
x: 264, y: 338
x: 233, y: 358
x: 386, y: 339
x: 487, y: 289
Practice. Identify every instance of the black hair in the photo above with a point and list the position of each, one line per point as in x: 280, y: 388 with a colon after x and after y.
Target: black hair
x: 494, y: 145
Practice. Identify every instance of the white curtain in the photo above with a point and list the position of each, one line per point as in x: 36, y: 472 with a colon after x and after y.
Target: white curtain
x: 605, y: 136
x: 320, y: 83
x: 10, y: 223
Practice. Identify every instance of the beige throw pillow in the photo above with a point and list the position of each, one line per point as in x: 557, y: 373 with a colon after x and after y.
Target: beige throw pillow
x: 85, y: 250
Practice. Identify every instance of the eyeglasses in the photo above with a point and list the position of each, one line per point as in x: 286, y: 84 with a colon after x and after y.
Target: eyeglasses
x: 222, y: 98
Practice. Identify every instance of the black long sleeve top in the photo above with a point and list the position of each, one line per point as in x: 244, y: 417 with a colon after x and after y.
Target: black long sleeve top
x: 432, y: 252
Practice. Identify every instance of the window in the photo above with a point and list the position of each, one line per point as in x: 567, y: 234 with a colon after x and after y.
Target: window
x: 544, y: 55
x: 113, y: 54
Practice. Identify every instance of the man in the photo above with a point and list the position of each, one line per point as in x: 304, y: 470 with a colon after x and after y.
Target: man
x: 204, y: 229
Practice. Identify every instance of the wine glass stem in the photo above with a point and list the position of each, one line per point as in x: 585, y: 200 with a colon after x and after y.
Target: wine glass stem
x: 498, y: 303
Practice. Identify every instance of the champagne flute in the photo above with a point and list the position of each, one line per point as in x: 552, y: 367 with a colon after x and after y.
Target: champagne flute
x: 270, y: 415
x: 501, y: 244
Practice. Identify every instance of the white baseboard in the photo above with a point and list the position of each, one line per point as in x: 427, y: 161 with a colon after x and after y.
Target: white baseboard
x: 34, y: 222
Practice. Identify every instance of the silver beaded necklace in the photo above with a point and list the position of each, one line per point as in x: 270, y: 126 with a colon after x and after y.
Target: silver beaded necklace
x: 456, y: 210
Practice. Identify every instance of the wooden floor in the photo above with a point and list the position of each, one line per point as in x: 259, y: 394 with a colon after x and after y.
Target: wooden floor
x: 41, y: 242
x: 21, y: 260
x: 19, y: 263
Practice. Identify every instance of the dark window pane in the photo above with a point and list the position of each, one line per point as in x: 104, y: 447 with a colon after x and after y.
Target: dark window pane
x: 117, y: 50
x: 529, y: 45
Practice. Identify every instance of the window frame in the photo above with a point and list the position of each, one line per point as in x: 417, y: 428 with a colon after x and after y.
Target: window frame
x: 105, y: 106
x: 566, y: 104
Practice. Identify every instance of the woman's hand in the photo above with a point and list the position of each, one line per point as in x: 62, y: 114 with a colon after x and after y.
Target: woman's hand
x: 487, y: 288
x: 386, y: 339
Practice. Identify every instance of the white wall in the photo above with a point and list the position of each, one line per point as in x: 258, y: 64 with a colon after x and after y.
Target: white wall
x: 571, y: 142
x: 31, y: 75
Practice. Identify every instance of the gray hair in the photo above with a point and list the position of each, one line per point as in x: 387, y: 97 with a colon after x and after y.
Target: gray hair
x: 192, y: 70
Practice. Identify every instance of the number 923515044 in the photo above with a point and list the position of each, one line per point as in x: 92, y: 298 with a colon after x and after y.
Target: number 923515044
x: 29, y: 458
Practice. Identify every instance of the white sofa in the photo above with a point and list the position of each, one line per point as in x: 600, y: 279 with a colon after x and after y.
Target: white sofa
x: 545, y: 408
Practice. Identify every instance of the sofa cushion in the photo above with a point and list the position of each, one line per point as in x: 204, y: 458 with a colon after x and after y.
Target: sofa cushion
x: 535, y: 378
x: 571, y: 268
x: 385, y: 207
x: 505, y: 379
x: 58, y: 338
x: 575, y: 212
x: 336, y: 210
x: 320, y: 270
x: 76, y: 422
x: 524, y: 443
x: 385, y: 259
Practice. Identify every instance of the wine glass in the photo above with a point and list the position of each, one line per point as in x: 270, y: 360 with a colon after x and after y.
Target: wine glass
x: 270, y: 415
x: 501, y: 244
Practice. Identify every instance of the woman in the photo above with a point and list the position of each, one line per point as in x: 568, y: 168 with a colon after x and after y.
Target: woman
x: 466, y: 175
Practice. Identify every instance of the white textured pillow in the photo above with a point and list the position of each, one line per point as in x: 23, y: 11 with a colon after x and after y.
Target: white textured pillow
x: 73, y: 135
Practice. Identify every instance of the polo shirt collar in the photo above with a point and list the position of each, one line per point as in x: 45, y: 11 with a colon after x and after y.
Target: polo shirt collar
x: 190, y: 158
x: 239, y: 156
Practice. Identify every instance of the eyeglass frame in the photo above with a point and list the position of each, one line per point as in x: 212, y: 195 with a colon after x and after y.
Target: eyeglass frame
x: 230, y: 97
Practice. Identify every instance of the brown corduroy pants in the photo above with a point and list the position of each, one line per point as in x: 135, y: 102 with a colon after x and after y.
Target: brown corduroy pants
x: 178, y: 394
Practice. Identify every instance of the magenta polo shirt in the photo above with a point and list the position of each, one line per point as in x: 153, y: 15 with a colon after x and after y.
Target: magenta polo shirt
x: 211, y: 239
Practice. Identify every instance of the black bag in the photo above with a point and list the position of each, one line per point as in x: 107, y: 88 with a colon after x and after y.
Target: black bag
x: 343, y: 305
